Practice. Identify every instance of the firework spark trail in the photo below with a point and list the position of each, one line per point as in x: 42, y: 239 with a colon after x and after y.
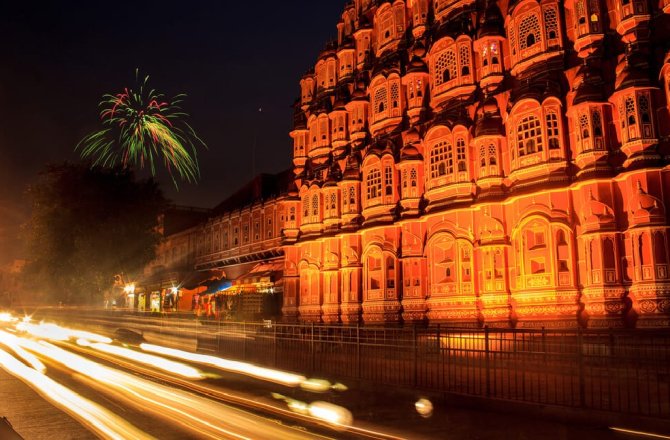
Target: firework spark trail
x: 139, y: 127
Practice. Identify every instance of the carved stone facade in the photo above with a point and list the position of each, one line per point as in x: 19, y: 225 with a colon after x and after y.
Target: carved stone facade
x: 484, y: 163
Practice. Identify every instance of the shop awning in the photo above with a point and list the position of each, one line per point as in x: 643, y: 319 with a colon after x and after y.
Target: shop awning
x: 201, y: 278
x: 262, y: 273
x: 216, y: 286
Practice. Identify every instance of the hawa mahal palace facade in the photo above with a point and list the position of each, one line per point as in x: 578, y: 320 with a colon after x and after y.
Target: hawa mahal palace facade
x: 475, y: 162
x: 484, y: 162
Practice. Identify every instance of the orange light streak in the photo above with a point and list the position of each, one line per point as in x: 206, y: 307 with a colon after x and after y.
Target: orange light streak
x: 95, y: 417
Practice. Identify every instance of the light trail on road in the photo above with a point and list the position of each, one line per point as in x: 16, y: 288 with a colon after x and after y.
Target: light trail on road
x: 180, y: 399
x: 95, y: 417
x: 11, y: 341
x: 155, y: 361
x: 201, y: 415
x: 276, y: 376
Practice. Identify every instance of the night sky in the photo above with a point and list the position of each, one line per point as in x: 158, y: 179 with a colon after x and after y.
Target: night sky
x: 230, y: 58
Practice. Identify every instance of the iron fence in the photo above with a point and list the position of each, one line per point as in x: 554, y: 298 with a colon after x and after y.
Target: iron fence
x: 626, y: 371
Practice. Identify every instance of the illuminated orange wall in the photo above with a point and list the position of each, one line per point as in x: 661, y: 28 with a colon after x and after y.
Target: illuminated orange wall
x: 473, y: 164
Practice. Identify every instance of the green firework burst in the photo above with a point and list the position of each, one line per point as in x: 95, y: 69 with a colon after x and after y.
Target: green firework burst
x: 140, y: 127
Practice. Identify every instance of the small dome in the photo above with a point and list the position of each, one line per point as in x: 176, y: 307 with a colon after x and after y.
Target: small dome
x: 489, y: 121
x: 587, y: 85
x: 490, y: 228
x: 490, y: 106
x: 491, y: 22
x: 339, y: 103
x: 352, y: 170
x: 417, y: 65
x: 646, y: 208
x: 489, y: 126
x: 409, y: 152
x: 629, y: 75
x: 418, y: 50
x: 596, y: 213
x: 334, y: 175
x: 411, y: 136
x: 360, y: 93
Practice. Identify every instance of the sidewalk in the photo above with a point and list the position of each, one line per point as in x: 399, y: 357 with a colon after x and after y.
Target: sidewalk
x: 34, y: 418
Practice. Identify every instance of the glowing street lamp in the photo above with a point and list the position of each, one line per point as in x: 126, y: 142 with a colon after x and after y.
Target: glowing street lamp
x: 129, y: 288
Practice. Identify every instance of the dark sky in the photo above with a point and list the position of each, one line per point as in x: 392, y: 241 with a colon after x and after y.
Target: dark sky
x: 230, y: 58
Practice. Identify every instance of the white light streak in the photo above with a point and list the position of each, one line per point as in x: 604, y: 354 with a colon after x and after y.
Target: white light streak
x: 97, y: 418
x: 276, y: 376
x: 154, y: 361
x: 11, y: 341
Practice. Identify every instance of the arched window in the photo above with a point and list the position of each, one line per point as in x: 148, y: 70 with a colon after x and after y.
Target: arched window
x: 374, y: 269
x: 482, y: 158
x: 492, y: 154
x: 352, y: 196
x: 580, y: 11
x: 643, y: 105
x: 644, y: 248
x: 460, y: 154
x: 464, y: 55
x: 529, y: 31
x: 380, y: 99
x: 315, y: 205
x: 333, y: 200
x: 529, y: 136
x: 445, y: 67
x: 404, y: 178
x: 395, y: 95
x: 530, y: 40
x: 609, y: 258
x: 597, y: 123
x: 512, y: 38
x: 388, y: 180
x: 305, y: 206
x: 660, y: 249
x: 323, y: 128
x: 584, y: 126
x: 630, y: 111
x: 551, y: 23
x: 390, y: 272
x: 374, y: 184
x: 449, y: 265
x: 441, y: 160
x: 412, y: 177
